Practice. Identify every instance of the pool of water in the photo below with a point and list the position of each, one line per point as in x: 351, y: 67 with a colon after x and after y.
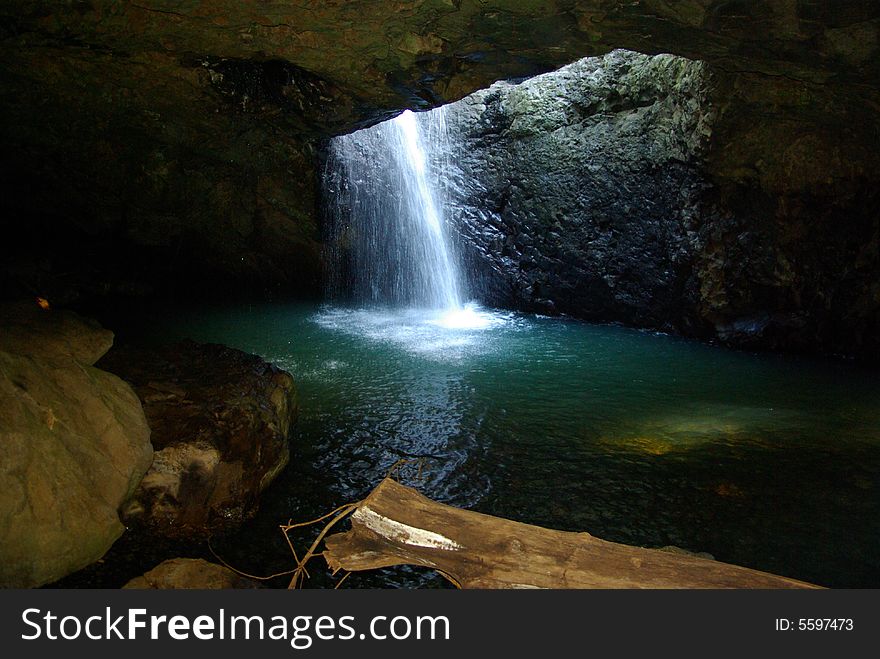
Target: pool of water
x: 762, y: 460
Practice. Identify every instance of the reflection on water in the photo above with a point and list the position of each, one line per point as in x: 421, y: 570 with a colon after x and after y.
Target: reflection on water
x: 766, y: 461
x: 422, y: 413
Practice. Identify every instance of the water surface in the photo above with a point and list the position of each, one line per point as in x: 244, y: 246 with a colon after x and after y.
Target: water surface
x: 762, y: 460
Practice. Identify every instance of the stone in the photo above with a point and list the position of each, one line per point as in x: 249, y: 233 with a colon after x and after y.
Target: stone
x: 220, y: 421
x: 74, y: 444
x: 589, y: 175
x: 190, y: 573
x: 51, y: 335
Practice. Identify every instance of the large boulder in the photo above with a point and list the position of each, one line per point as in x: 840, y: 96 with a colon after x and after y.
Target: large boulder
x: 74, y: 444
x: 31, y: 329
x: 580, y: 191
x: 187, y: 573
x: 220, y: 420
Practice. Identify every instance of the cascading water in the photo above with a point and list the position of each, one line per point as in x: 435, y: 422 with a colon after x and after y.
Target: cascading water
x: 389, y: 242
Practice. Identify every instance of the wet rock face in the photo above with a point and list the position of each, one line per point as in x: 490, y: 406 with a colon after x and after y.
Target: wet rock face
x: 74, y: 444
x: 580, y: 191
x: 220, y: 421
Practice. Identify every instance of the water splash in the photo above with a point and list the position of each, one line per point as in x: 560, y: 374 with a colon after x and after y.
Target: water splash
x: 446, y: 335
x: 389, y: 242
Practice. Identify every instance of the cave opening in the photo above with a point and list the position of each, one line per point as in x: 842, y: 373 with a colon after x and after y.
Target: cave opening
x: 465, y: 246
x: 635, y: 295
x: 577, y: 192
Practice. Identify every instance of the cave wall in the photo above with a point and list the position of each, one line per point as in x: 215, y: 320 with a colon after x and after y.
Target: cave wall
x: 791, y: 256
x: 166, y: 144
x: 125, y: 180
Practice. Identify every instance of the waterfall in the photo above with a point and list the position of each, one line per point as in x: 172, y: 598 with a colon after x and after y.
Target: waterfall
x: 388, y: 237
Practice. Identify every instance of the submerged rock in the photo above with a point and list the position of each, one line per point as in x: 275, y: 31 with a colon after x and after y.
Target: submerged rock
x: 182, y: 573
x: 220, y: 421
x: 74, y: 444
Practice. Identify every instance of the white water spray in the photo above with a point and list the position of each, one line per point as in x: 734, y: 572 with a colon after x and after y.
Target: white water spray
x: 423, y: 209
x: 390, y: 237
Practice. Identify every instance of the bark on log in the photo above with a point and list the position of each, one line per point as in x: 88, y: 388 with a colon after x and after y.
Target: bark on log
x: 396, y: 525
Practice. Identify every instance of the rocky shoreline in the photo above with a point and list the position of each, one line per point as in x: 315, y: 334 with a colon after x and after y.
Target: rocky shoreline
x: 220, y: 421
x: 175, y: 442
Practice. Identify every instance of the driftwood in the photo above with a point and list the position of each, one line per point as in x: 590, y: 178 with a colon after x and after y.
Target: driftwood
x: 396, y: 525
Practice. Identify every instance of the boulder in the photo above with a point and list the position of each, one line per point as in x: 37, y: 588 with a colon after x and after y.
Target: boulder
x: 181, y: 573
x: 578, y: 191
x: 26, y: 328
x: 220, y: 420
x: 74, y: 444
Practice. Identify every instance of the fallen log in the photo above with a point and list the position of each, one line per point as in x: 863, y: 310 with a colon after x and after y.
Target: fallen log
x: 395, y: 525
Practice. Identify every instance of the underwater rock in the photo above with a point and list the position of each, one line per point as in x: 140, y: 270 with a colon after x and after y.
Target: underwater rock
x: 190, y: 573
x: 220, y: 421
x: 74, y: 444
